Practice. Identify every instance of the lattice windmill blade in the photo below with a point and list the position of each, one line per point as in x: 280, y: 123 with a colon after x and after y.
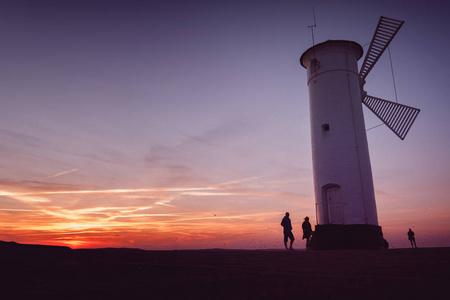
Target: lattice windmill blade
x: 398, y: 117
x: 386, y: 29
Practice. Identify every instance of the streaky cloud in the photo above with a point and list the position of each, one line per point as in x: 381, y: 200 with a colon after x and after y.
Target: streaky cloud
x: 60, y: 174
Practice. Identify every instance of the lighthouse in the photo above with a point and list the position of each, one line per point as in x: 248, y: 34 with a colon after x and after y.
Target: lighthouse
x: 346, y: 211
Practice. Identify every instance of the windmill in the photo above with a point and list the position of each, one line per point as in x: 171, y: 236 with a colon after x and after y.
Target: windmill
x: 346, y: 212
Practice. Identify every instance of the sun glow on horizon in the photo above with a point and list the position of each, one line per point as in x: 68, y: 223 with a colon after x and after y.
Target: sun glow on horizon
x: 151, y: 217
x: 158, y: 218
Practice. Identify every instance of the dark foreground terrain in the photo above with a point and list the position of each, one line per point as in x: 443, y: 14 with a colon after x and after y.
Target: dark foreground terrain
x: 44, y: 272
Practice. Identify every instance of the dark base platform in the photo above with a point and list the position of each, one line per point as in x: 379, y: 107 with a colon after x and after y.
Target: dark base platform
x: 334, y: 237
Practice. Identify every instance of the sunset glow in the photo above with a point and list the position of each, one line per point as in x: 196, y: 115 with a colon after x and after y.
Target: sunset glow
x: 151, y: 218
x: 185, y: 125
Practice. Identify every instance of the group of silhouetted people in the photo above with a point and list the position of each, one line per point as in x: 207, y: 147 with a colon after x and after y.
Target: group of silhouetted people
x: 287, y: 231
x: 307, y: 232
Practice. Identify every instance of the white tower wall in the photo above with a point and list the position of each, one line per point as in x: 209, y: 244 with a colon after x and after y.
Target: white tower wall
x: 343, y: 181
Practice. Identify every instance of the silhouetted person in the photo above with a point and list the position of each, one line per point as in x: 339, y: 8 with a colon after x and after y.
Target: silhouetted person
x: 385, y: 244
x: 411, y: 238
x: 307, y: 230
x: 287, y: 231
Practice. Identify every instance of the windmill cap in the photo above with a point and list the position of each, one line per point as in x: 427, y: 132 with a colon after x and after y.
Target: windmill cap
x: 331, y: 43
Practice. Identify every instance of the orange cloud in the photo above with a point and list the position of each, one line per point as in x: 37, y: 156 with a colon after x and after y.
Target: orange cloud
x: 154, y: 218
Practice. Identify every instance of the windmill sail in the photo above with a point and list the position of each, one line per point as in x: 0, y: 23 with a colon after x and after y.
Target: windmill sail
x: 386, y: 29
x: 398, y: 117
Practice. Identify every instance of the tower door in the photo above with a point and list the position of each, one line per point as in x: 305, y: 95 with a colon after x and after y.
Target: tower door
x: 334, y: 201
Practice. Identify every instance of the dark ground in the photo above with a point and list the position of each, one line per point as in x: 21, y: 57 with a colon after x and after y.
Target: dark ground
x: 44, y: 272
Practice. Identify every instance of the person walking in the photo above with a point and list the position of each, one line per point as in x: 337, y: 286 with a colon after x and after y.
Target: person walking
x: 287, y: 231
x: 307, y: 230
x: 411, y: 238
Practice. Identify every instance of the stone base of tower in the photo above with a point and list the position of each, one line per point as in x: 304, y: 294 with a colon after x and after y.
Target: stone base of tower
x: 334, y: 237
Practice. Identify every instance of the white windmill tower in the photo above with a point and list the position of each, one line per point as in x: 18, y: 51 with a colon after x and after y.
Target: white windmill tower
x: 344, y: 193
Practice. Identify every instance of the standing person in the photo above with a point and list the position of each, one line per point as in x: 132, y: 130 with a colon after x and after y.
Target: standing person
x: 411, y: 238
x: 287, y: 231
x: 307, y: 230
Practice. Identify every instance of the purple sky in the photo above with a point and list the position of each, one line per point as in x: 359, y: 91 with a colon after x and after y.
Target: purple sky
x: 189, y: 120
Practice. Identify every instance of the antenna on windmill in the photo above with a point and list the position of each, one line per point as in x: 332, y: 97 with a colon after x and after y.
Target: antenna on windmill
x: 312, y: 26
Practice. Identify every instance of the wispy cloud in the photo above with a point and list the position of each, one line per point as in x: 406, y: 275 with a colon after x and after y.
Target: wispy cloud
x: 198, y: 139
x: 139, y: 212
x: 59, y: 174
x: 14, y: 137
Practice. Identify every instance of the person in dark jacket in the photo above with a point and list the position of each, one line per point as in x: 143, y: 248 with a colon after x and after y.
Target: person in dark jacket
x: 287, y: 231
x: 411, y: 238
x: 307, y: 230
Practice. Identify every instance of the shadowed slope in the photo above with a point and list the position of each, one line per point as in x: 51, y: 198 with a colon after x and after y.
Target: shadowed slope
x: 223, y: 274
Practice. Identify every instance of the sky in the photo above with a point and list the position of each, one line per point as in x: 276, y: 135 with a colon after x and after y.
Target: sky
x: 185, y: 124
